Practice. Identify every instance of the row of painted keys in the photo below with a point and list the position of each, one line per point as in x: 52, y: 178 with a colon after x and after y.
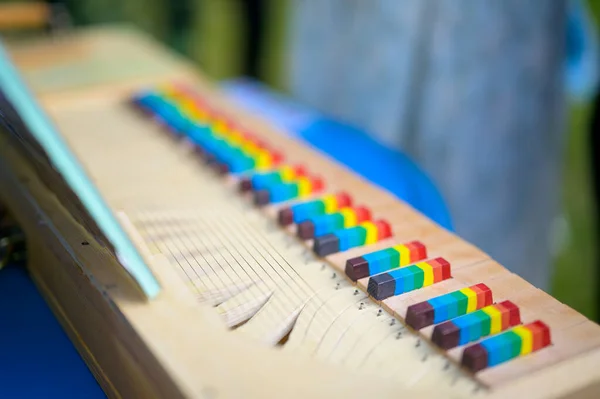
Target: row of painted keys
x: 228, y: 147
x: 461, y: 317
x: 331, y: 221
x: 464, y: 317
x: 334, y: 223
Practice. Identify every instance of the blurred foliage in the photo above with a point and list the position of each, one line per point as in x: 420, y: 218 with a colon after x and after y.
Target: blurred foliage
x: 220, y: 19
x: 577, y: 274
x: 595, y: 9
x: 152, y: 16
x: 216, y: 39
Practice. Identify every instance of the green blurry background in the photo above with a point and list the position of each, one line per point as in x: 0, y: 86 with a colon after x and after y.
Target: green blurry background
x: 212, y: 34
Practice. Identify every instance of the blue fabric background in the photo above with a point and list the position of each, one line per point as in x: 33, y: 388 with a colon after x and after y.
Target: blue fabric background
x: 37, y: 359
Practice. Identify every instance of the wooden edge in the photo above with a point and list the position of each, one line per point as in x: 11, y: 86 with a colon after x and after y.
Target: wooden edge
x: 578, y: 377
x: 61, y: 314
x: 70, y: 293
x: 89, y: 42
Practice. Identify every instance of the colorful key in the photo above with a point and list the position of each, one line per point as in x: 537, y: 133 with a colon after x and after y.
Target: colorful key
x: 239, y: 157
x: 320, y: 225
x: 448, y: 306
x: 298, y: 213
x: 341, y: 240
x: 408, y: 278
x: 471, y: 327
x: 267, y: 158
x: 263, y: 180
x: 519, y: 341
x: 277, y: 193
x: 385, y: 260
x: 225, y: 146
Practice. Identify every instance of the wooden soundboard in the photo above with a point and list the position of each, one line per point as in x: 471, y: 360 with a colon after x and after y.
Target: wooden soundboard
x: 225, y: 324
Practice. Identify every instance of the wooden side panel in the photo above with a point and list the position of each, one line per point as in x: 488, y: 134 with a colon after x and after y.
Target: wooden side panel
x: 92, y: 322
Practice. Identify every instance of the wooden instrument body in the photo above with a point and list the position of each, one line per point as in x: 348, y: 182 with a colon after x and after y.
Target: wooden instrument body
x: 172, y: 346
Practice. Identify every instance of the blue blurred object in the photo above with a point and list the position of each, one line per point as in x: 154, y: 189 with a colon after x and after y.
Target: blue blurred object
x: 37, y: 359
x: 583, y: 53
x: 388, y: 168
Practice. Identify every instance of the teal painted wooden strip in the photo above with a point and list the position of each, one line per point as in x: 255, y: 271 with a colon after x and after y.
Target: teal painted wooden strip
x: 68, y: 166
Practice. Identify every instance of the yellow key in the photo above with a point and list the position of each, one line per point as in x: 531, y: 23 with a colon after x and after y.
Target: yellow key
x: 495, y: 319
x: 349, y: 217
x: 287, y: 174
x: 195, y: 115
x: 188, y: 109
x: 234, y: 138
x: 404, y: 254
x: 330, y: 203
x: 526, y: 339
x: 187, y: 104
x: 263, y: 160
x: 198, y: 115
x: 428, y: 273
x: 247, y: 146
x: 304, y: 187
x: 220, y: 128
x: 471, y: 299
x: 371, y: 236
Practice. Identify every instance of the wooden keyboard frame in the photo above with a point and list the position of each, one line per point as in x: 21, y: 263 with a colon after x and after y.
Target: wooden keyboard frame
x: 170, y: 346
